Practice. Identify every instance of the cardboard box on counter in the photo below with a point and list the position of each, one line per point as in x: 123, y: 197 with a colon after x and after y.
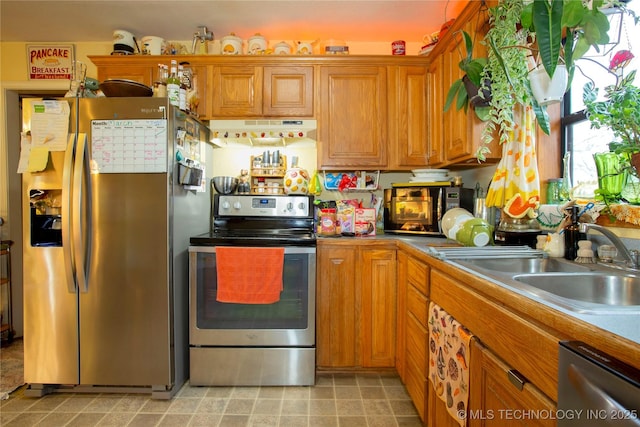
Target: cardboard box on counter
x: 365, y: 222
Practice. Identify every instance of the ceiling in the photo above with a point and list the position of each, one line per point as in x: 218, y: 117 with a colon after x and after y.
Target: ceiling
x: 349, y: 20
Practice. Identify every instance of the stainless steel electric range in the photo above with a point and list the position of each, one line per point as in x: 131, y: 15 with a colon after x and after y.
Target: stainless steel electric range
x: 253, y: 343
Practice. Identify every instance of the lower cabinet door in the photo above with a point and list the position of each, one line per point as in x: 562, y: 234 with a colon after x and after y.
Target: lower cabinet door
x: 496, y: 400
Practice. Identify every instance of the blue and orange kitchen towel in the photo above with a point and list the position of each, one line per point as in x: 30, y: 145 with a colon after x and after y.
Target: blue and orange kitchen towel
x: 248, y: 275
x: 449, y: 358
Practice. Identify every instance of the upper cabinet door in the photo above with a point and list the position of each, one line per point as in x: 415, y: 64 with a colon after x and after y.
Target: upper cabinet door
x: 411, y: 148
x: 288, y: 91
x: 435, y: 117
x: 237, y: 91
x: 138, y: 73
x: 352, y: 121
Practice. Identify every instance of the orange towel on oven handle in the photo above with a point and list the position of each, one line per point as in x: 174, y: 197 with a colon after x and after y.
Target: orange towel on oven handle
x: 248, y: 275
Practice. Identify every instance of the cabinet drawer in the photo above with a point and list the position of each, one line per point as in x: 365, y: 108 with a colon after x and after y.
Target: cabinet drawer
x: 417, y: 304
x: 416, y: 384
x: 418, y: 275
x: 417, y: 344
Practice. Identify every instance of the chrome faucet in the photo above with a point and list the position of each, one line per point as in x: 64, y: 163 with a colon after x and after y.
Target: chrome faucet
x: 631, y: 258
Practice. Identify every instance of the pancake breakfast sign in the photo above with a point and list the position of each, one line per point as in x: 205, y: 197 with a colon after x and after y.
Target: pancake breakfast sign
x: 50, y: 62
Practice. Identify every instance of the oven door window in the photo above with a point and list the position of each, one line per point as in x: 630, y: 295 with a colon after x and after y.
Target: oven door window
x: 290, y: 312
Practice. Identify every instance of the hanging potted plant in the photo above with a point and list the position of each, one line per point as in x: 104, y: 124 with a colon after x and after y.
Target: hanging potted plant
x: 466, y: 90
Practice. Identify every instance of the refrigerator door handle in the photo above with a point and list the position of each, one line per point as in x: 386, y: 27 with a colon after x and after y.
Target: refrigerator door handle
x: 67, y: 243
x: 81, y: 192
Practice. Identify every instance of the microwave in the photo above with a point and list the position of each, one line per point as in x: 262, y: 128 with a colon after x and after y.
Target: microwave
x: 417, y: 208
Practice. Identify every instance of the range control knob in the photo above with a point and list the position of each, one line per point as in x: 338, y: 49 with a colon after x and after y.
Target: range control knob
x: 237, y: 205
x: 289, y: 206
x: 225, y: 205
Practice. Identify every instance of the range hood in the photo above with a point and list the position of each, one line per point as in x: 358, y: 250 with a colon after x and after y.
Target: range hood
x: 263, y: 132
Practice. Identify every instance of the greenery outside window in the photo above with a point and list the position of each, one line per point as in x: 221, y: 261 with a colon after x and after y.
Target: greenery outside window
x: 577, y: 136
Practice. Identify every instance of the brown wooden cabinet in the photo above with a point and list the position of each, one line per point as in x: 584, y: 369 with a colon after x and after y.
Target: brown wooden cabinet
x: 353, y: 117
x: 496, y: 401
x: 356, y: 301
x: 435, y: 116
x: 337, y: 302
x: 408, y: 116
x: 256, y: 91
x: 378, y: 293
x: 288, y: 91
x: 461, y: 133
x: 144, y: 69
x: 144, y: 74
x: 237, y: 91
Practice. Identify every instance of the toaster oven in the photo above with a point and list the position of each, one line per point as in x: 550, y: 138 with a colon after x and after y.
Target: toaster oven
x: 417, y: 208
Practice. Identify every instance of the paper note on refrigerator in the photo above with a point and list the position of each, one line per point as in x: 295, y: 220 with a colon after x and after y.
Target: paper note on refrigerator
x: 50, y: 124
x: 38, y: 159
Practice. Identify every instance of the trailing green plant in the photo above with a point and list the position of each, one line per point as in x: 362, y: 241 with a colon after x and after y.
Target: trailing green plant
x: 508, y: 59
x: 473, y: 68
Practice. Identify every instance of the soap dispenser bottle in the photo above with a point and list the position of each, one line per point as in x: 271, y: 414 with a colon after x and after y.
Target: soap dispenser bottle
x: 572, y: 234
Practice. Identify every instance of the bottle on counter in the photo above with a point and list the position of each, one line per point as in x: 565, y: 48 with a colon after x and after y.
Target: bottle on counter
x: 572, y: 234
x: 173, y: 85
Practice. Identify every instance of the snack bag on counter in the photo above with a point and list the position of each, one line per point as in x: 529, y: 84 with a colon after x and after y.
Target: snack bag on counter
x: 365, y: 222
x: 346, y: 216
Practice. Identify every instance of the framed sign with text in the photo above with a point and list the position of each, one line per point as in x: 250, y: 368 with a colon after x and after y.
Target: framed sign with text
x: 50, y: 61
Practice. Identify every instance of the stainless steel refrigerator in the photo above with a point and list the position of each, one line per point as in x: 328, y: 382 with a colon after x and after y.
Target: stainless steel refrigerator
x: 106, y: 227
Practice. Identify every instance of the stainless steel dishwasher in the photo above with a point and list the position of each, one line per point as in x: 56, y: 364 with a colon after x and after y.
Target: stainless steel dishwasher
x: 596, y: 389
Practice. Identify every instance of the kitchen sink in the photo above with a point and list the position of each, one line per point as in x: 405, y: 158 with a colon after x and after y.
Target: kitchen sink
x: 592, y: 287
x: 527, y: 265
x: 583, y: 288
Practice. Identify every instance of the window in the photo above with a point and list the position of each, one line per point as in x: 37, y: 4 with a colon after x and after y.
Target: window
x: 578, y: 138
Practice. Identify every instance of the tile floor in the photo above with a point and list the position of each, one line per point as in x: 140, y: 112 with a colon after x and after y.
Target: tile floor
x: 356, y: 400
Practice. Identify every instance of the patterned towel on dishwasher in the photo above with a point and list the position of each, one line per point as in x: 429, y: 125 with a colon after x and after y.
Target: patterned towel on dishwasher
x: 449, y: 361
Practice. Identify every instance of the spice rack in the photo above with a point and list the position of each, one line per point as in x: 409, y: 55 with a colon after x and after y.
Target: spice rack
x: 267, y: 179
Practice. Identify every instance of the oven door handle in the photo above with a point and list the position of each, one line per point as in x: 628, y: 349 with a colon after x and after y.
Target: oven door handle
x: 598, y: 398
x: 287, y: 249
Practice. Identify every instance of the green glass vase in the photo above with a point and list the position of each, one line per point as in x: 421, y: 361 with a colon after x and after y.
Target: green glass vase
x: 612, y: 175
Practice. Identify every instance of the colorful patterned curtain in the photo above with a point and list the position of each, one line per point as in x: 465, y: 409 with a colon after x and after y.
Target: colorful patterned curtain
x: 515, y: 185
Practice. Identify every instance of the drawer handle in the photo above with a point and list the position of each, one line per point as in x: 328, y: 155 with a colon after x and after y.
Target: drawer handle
x: 516, y: 378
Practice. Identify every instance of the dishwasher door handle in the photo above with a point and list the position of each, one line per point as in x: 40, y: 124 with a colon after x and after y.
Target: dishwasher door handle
x: 599, y: 399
